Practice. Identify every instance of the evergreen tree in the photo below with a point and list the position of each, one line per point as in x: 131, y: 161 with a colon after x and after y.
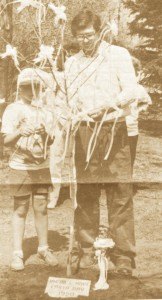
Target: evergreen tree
x: 147, y: 24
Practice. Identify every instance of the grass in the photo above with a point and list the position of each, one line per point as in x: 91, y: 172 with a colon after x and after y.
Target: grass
x: 146, y: 284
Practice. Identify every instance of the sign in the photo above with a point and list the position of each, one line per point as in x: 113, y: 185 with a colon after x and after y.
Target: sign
x: 67, y: 288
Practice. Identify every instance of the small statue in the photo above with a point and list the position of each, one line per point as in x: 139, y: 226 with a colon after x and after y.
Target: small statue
x: 102, y: 244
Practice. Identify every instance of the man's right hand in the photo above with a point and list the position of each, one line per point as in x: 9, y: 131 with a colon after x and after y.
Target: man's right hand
x: 98, y: 115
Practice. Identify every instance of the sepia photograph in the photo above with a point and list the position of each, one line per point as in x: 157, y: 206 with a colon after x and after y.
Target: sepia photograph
x: 80, y: 149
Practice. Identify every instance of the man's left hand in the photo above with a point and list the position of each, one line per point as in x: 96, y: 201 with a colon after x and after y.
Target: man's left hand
x: 135, y: 92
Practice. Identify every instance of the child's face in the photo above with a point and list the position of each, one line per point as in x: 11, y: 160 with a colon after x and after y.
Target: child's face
x: 29, y: 92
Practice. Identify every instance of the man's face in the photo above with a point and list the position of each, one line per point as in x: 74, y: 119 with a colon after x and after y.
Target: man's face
x: 87, y: 38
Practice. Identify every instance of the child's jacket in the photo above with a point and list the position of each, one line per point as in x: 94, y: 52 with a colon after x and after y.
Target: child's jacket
x: 29, y: 152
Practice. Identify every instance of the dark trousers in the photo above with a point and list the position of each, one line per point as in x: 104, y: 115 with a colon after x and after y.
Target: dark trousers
x: 113, y: 175
x: 120, y: 216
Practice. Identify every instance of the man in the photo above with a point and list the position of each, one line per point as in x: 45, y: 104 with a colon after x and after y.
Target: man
x: 95, y: 77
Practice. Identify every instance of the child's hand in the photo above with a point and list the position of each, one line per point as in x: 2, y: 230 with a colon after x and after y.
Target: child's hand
x: 40, y: 130
x: 26, y: 130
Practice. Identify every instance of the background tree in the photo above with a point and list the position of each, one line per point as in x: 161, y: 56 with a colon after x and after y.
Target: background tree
x: 139, y: 24
x: 146, y: 25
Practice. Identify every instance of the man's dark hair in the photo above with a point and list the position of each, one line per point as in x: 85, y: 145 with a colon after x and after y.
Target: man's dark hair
x: 84, y: 19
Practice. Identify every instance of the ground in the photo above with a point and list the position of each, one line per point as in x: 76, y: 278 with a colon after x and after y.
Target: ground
x: 146, y: 282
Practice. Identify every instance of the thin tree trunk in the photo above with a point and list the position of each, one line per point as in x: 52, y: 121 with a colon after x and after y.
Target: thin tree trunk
x: 5, y: 38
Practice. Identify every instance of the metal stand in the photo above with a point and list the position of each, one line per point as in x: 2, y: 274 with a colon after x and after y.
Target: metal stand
x: 102, y: 244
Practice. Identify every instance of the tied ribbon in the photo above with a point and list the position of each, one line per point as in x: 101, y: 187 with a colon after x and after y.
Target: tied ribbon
x: 59, y: 11
x: 112, y: 136
x: 11, y: 52
x: 45, y: 54
x: 96, y: 132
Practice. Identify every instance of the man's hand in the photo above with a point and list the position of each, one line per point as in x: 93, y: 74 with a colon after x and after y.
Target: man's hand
x: 97, y: 117
x: 136, y: 92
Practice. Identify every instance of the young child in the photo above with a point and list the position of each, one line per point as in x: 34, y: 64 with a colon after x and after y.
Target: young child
x: 25, y: 125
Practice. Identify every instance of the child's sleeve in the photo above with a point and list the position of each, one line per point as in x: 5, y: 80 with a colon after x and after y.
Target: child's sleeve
x: 8, y: 121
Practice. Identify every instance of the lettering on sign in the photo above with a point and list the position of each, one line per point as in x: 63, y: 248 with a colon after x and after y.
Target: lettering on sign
x: 67, y: 288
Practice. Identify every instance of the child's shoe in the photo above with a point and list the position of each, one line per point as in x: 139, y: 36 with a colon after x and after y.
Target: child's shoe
x: 49, y: 257
x: 17, y: 263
